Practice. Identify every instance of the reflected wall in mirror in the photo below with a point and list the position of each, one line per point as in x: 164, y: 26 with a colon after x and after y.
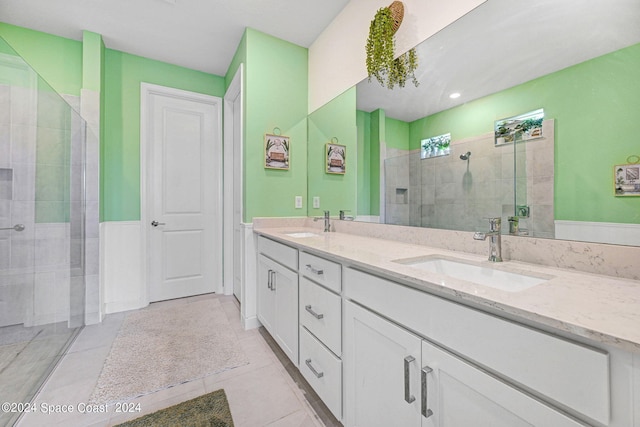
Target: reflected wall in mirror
x: 334, y: 122
x: 581, y: 64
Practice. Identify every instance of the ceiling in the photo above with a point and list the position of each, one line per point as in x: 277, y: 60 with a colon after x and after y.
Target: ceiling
x: 503, y: 43
x: 198, y: 34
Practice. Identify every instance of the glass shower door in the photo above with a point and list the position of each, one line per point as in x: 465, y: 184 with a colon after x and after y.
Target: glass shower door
x: 41, y: 228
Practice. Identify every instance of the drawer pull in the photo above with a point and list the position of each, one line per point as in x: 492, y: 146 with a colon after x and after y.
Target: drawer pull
x: 316, y: 373
x: 273, y: 280
x: 313, y: 313
x: 425, y: 411
x: 314, y: 270
x: 408, y: 397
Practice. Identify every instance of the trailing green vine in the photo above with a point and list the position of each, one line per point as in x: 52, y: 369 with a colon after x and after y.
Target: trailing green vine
x: 380, y: 48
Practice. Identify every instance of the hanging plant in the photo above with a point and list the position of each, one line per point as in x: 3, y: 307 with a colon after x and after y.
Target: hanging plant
x: 380, y: 48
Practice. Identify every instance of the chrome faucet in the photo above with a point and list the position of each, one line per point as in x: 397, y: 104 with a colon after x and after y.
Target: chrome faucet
x: 327, y: 223
x: 345, y: 217
x: 495, y: 241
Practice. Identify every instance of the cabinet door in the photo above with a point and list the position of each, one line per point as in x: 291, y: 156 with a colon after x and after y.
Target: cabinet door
x: 457, y: 394
x: 381, y: 371
x: 285, y: 286
x: 266, y: 303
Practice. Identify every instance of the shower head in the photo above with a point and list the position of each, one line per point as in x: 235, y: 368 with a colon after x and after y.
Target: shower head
x: 465, y: 156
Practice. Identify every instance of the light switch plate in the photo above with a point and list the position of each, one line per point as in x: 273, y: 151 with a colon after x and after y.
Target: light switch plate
x: 298, y: 202
x: 316, y: 202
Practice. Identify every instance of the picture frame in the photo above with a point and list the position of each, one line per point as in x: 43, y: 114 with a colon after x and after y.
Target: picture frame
x: 626, y: 179
x: 335, y: 158
x: 277, y: 154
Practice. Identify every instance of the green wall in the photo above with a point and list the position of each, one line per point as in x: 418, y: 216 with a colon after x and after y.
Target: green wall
x: 275, y: 97
x: 595, y: 105
x: 120, y: 151
x: 56, y: 59
x: 363, y: 190
x: 336, y: 119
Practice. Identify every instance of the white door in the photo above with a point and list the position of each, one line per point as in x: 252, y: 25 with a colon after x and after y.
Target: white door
x: 183, y: 210
x: 381, y: 371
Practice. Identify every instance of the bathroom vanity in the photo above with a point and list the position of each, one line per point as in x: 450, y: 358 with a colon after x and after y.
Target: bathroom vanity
x: 392, y: 333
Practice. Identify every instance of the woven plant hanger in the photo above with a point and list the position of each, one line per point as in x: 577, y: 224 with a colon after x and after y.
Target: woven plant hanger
x: 397, y: 13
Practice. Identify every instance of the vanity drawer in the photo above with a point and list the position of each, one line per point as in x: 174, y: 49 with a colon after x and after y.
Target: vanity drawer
x: 327, y: 273
x: 322, y: 370
x: 570, y: 373
x: 283, y: 254
x: 320, y: 312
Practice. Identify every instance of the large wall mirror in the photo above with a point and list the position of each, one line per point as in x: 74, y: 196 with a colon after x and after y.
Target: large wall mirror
x: 578, y: 61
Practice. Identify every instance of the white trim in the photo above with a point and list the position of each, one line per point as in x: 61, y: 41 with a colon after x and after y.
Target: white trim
x: 233, y: 172
x: 599, y: 232
x: 146, y: 90
x: 121, y: 266
x: 249, y: 303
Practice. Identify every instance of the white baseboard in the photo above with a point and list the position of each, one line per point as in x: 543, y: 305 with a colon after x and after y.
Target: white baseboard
x: 600, y: 232
x: 251, y: 323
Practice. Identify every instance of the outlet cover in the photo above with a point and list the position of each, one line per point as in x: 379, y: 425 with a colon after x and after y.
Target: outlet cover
x: 316, y: 202
x: 298, y: 202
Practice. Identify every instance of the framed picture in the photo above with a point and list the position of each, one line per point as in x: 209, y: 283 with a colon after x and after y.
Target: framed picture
x: 336, y: 156
x: 276, y: 152
x: 627, y: 179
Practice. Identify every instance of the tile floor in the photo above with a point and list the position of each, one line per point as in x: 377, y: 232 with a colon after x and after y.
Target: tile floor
x: 267, y: 392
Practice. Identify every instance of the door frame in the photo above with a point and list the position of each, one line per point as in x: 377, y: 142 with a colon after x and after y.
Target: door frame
x: 146, y: 91
x: 233, y: 172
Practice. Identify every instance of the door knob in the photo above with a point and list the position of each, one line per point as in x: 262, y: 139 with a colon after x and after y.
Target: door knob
x: 156, y: 223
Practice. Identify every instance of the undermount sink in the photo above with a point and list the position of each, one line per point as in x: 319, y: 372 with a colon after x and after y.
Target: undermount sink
x: 300, y: 234
x: 479, y: 274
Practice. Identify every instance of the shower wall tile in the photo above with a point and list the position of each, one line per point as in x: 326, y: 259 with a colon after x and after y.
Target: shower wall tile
x: 6, y: 184
x: 24, y: 182
x: 5, y: 251
x: 52, y: 146
x: 92, y: 261
x: 5, y: 105
x: 23, y: 144
x: 5, y: 146
x: 92, y: 229
x: 22, y: 253
x: 23, y: 106
x: 92, y: 310
x: 53, y: 111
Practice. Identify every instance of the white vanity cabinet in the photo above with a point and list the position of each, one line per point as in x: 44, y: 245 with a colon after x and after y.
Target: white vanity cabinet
x: 277, y: 282
x: 393, y: 377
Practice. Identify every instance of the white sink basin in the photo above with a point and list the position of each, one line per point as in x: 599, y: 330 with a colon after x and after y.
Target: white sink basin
x: 300, y: 234
x: 480, y: 274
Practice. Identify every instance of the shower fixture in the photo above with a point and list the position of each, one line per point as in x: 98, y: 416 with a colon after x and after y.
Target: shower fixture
x: 465, y: 156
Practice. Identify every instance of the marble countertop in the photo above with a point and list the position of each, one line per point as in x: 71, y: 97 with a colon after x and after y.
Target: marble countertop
x: 600, y: 308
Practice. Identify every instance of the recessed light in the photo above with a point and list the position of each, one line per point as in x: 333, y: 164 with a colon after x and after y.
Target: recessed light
x: 454, y: 95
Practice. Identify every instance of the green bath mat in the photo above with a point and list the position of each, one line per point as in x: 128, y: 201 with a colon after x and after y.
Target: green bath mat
x: 210, y: 410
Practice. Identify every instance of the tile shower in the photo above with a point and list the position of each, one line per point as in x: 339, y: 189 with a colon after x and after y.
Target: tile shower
x: 44, y: 261
x: 449, y: 192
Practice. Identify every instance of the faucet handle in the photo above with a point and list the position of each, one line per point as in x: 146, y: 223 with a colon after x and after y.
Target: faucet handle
x: 495, y: 224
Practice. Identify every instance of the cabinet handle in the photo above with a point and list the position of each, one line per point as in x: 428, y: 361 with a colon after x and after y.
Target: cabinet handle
x: 407, y: 392
x: 316, y: 373
x: 269, y: 278
x: 425, y: 411
x: 314, y: 270
x: 273, y: 280
x: 313, y: 313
